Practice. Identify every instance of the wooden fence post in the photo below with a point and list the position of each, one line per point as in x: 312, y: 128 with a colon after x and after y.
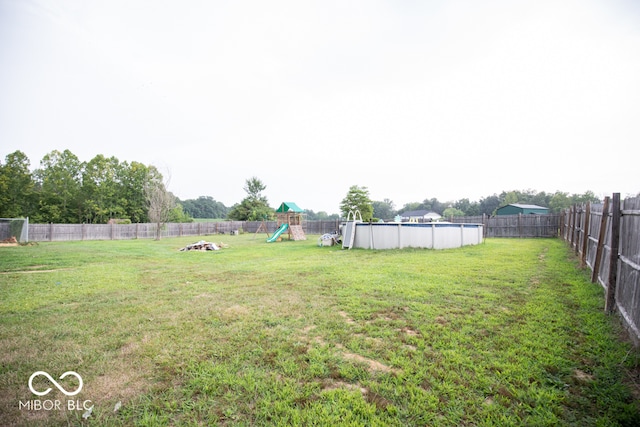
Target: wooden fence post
x: 603, y: 226
x: 578, y: 228
x: 570, y: 227
x: 574, y: 230
x: 520, y: 225
x: 585, y: 238
x: 485, y: 224
x: 610, y: 303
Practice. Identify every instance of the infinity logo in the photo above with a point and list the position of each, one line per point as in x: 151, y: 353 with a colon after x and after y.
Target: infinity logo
x: 42, y: 393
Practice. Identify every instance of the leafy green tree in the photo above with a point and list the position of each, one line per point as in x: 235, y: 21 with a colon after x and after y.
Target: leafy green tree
x: 177, y: 214
x: 587, y: 196
x: 248, y: 210
x: 509, y: 198
x: 412, y: 206
x: 255, y: 206
x: 384, y: 209
x: 132, y: 178
x: 100, y: 189
x: 540, y: 199
x: 560, y: 200
x: 205, y: 207
x: 357, y: 198
x: 59, y: 179
x: 469, y: 208
x: 434, y: 205
x: 16, y: 186
x: 451, y: 211
x: 254, y: 188
x: 489, y: 204
x: 320, y: 216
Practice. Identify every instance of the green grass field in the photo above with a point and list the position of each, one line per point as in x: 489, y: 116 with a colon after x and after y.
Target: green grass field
x: 509, y: 332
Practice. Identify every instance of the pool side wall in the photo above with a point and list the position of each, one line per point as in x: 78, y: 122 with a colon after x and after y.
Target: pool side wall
x: 395, y: 235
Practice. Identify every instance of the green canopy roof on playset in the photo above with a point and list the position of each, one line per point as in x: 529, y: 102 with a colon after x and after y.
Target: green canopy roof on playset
x: 289, y: 207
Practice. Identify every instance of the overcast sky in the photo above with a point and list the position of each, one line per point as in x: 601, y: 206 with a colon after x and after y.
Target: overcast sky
x: 412, y: 99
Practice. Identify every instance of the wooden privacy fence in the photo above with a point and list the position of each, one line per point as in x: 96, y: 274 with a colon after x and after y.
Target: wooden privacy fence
x: 63, y: 232
x: 515, y: 225
x: 68, y: 232
x: 499, y: 226
x: 606, y: 238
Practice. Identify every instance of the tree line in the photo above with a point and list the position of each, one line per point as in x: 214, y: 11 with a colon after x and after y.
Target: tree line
x: 358, y: 198
x: 64, y: 189
x: 488, y: 205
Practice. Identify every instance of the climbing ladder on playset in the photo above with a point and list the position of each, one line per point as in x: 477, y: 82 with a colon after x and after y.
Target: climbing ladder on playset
x: 297, y: 233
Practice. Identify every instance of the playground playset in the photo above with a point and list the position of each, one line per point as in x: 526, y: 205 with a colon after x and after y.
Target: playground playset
x: 289, y: 217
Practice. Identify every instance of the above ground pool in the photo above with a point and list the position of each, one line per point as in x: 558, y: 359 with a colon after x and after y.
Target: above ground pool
x: 399, y: 235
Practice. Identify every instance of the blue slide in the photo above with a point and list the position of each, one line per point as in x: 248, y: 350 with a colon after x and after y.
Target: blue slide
x: 278, y: 232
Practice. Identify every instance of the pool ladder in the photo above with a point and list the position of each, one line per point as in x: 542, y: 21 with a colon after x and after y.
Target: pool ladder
x: 352, y: 235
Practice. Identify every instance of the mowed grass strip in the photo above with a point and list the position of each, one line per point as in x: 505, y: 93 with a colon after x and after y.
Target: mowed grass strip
x: 509, y: 332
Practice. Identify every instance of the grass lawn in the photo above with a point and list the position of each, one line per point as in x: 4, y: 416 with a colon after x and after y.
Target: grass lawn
x: 509, y: 332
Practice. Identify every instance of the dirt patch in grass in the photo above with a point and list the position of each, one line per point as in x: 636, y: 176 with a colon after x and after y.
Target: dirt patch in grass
x: 234, y: 312
x: 441, y: 320
x: 378, y: 400
x: 372, y: 365
x: 334, y: 385
x: 38, y: 268
x: 410, y: 332
x: 120, y: 383
x: 346, y: 317
x: 308, y: 329
x: 123, y: 379
x: 35, y: 271
x: 582, y: 376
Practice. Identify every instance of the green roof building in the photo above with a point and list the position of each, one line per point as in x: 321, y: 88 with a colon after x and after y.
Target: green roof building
x: 517, y: 208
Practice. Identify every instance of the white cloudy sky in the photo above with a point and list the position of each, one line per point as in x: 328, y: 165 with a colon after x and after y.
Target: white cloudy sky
x: 412, y: 99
